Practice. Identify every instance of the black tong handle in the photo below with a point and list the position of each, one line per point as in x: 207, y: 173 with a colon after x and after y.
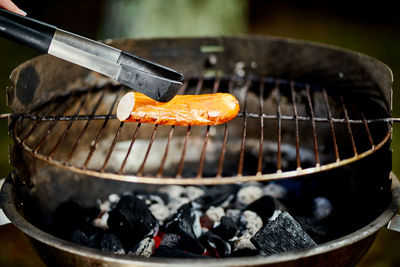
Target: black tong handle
x: 27, y: 31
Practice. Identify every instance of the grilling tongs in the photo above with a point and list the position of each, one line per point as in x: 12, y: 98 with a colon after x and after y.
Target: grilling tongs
x: 154, y: 80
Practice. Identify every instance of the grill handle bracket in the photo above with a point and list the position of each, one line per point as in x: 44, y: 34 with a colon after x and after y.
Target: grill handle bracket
x: 394, y: 224
x: 3, y: 218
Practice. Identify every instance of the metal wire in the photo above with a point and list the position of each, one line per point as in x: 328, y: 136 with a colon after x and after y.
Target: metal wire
x: 263, y: 88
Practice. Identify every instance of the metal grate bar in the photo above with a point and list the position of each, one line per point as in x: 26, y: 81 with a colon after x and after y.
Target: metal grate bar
x: 181, y: 162
x: 164, y: 159
x: 182, y: 90
x: 64, y: 134
x: 240, y: 114
x: 293, y: 93
x: 260, y: 150
x: 222, y: 155
x: 203, y: 153
x: 112, y: 146
x: 39, y: 119
x: 346, y: 115
x: 84, y: 128
x: 130, y: 148
x: 278, y: 113
x: 217, y: 83
x: 223, y: 149
x: 241, y: 155
x: 371, y: 141
x: 335, y: 145
x: 153, y: 135
x: 96, y: 141
x: 199, y: 86
x: 314, y: 128
x: 64, y: 107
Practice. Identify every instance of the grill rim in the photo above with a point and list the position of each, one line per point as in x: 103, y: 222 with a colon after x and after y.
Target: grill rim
x: 9, y: 200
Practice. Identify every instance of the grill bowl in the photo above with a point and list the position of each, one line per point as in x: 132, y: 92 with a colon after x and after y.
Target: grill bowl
x: 365, y: 83
x: 344, y: 251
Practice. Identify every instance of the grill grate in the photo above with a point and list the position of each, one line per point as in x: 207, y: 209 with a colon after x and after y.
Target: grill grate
x: 284, y: 129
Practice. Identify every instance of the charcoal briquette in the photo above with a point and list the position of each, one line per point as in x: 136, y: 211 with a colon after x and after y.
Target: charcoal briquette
x: 181, y: 223
x: 170, y: 240
x: 110, y: 242
x: 132, y: 220
x: 226, y: 229
x: 81, y: 238
x: 215, y: 244
x: 217, y: 195
x: 281, y: 235
x: 144, y: 248
x: 264, y: 207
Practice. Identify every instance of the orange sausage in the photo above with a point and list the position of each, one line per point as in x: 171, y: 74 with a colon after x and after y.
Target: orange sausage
x: 182, y: 110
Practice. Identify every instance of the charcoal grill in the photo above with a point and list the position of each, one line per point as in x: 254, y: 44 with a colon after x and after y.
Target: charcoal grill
x: 306, y: 110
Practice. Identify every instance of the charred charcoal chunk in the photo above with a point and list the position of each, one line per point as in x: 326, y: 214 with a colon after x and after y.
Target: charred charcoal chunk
x: 234, y: 214
x: 217, y: 196
x: 83, y: 239
x: 264, y: 207
x: 182, y: 224
x: 132, y: 220
x: 170, y: 240
x: 166, y: 252
x: 281, y: 235
x: 111, y: 242
x: 226, y: 229
x: 70, y: 216
x: 246, y: 252
x: 144, y: 248
x: 215, y: 244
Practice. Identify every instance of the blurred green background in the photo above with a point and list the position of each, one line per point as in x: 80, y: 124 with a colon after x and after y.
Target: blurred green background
x: 370, y: 28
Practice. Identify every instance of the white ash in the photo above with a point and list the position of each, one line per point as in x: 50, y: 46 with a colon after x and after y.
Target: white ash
x: 173, y: 191
x: 156, y: 199
x: 104, y: 206
x: 145, y: 248
x: 102, y: 221
x: 251, y: 222
x: 243, y: 242
x: 160, y: 212
x: 197, y: 229
x: 234, y: 214
x: 215, y: 213
x: 247, y: 195
x: 114, y: 198
x: 176, y: 203
x: 274, y: 215
x: 275, y: 190
x: 193, y: 192
x: 322, y: 208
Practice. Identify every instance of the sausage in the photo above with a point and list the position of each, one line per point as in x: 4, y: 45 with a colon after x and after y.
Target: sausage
x: 182, y: 110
